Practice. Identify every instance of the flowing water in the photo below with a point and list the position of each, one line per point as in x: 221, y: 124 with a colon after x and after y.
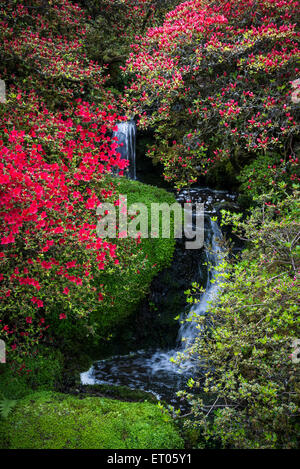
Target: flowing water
x: 154, y: 370
x: 126, y: 134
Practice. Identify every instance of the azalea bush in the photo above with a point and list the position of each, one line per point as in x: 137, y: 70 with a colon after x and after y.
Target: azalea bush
x: 44, y: 48
x: 58, y: 279
x: 249, y: 372
x: 68, y: 50
x: 52, y: 177
x: 217, y: 83
x: 114, y: 25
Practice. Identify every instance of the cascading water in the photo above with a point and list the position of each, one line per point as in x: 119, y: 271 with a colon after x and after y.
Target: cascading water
x: 188, y: 330
x: 155, y: 371
x: 214, y: 256
x: 126, y: 137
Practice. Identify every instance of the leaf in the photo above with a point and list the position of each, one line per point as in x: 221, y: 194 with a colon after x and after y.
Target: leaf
x: 6, y: 406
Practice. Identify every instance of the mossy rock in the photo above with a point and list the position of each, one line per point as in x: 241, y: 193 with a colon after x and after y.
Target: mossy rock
x: 47, y: 420
x: 123, y: 393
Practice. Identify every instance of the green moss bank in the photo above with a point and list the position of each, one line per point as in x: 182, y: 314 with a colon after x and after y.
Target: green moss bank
x: 49, y: 420
x: 128, y: 289
x: 157, y: 251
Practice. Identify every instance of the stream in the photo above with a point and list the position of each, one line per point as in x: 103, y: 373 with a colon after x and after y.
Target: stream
x: 154, y: 370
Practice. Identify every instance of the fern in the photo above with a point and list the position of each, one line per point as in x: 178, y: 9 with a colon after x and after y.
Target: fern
x: 6, y: 406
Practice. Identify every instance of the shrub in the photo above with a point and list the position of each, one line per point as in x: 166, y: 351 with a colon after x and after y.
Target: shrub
x: 52, y: 166
x: 251, y: 384
x: 216, y: 83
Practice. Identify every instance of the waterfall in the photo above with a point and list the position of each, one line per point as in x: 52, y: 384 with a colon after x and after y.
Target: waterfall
x: 126, y: 134
x: 188, y: 330
x: 156, y: 371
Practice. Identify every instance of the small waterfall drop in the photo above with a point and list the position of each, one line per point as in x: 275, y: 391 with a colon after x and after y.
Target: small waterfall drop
x: 188, y: 330
x: 126, y: 135
x: 214, y: 256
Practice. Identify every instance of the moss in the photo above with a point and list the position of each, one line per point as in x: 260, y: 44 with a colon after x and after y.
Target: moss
x: 54, y: 421
x: 159, y: 250
x: 123, y: 393
x: 128, y: 289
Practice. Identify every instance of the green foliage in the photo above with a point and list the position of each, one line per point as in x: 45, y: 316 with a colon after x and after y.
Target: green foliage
x: 127, y: 289
x: 268, y: 173
x: 6, y: 406
x: 159, y: 250
x: 45, y: 49
x: 245, y: 344
x: 57, y: 421
x: 42, y: 371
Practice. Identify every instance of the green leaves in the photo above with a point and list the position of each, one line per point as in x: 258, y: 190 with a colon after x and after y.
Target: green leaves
x: 245, y: 340
x: 6, y: 406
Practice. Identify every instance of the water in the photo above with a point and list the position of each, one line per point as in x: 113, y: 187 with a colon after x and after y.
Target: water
x: 126, y: 137
x: 154, y: 370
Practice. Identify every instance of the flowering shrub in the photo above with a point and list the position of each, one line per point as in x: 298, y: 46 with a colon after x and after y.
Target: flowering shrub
x: 44, y: 48
x: 114, y: 25
x: 216, y: 82
x: 51, y: 181
x: 56, y: 151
